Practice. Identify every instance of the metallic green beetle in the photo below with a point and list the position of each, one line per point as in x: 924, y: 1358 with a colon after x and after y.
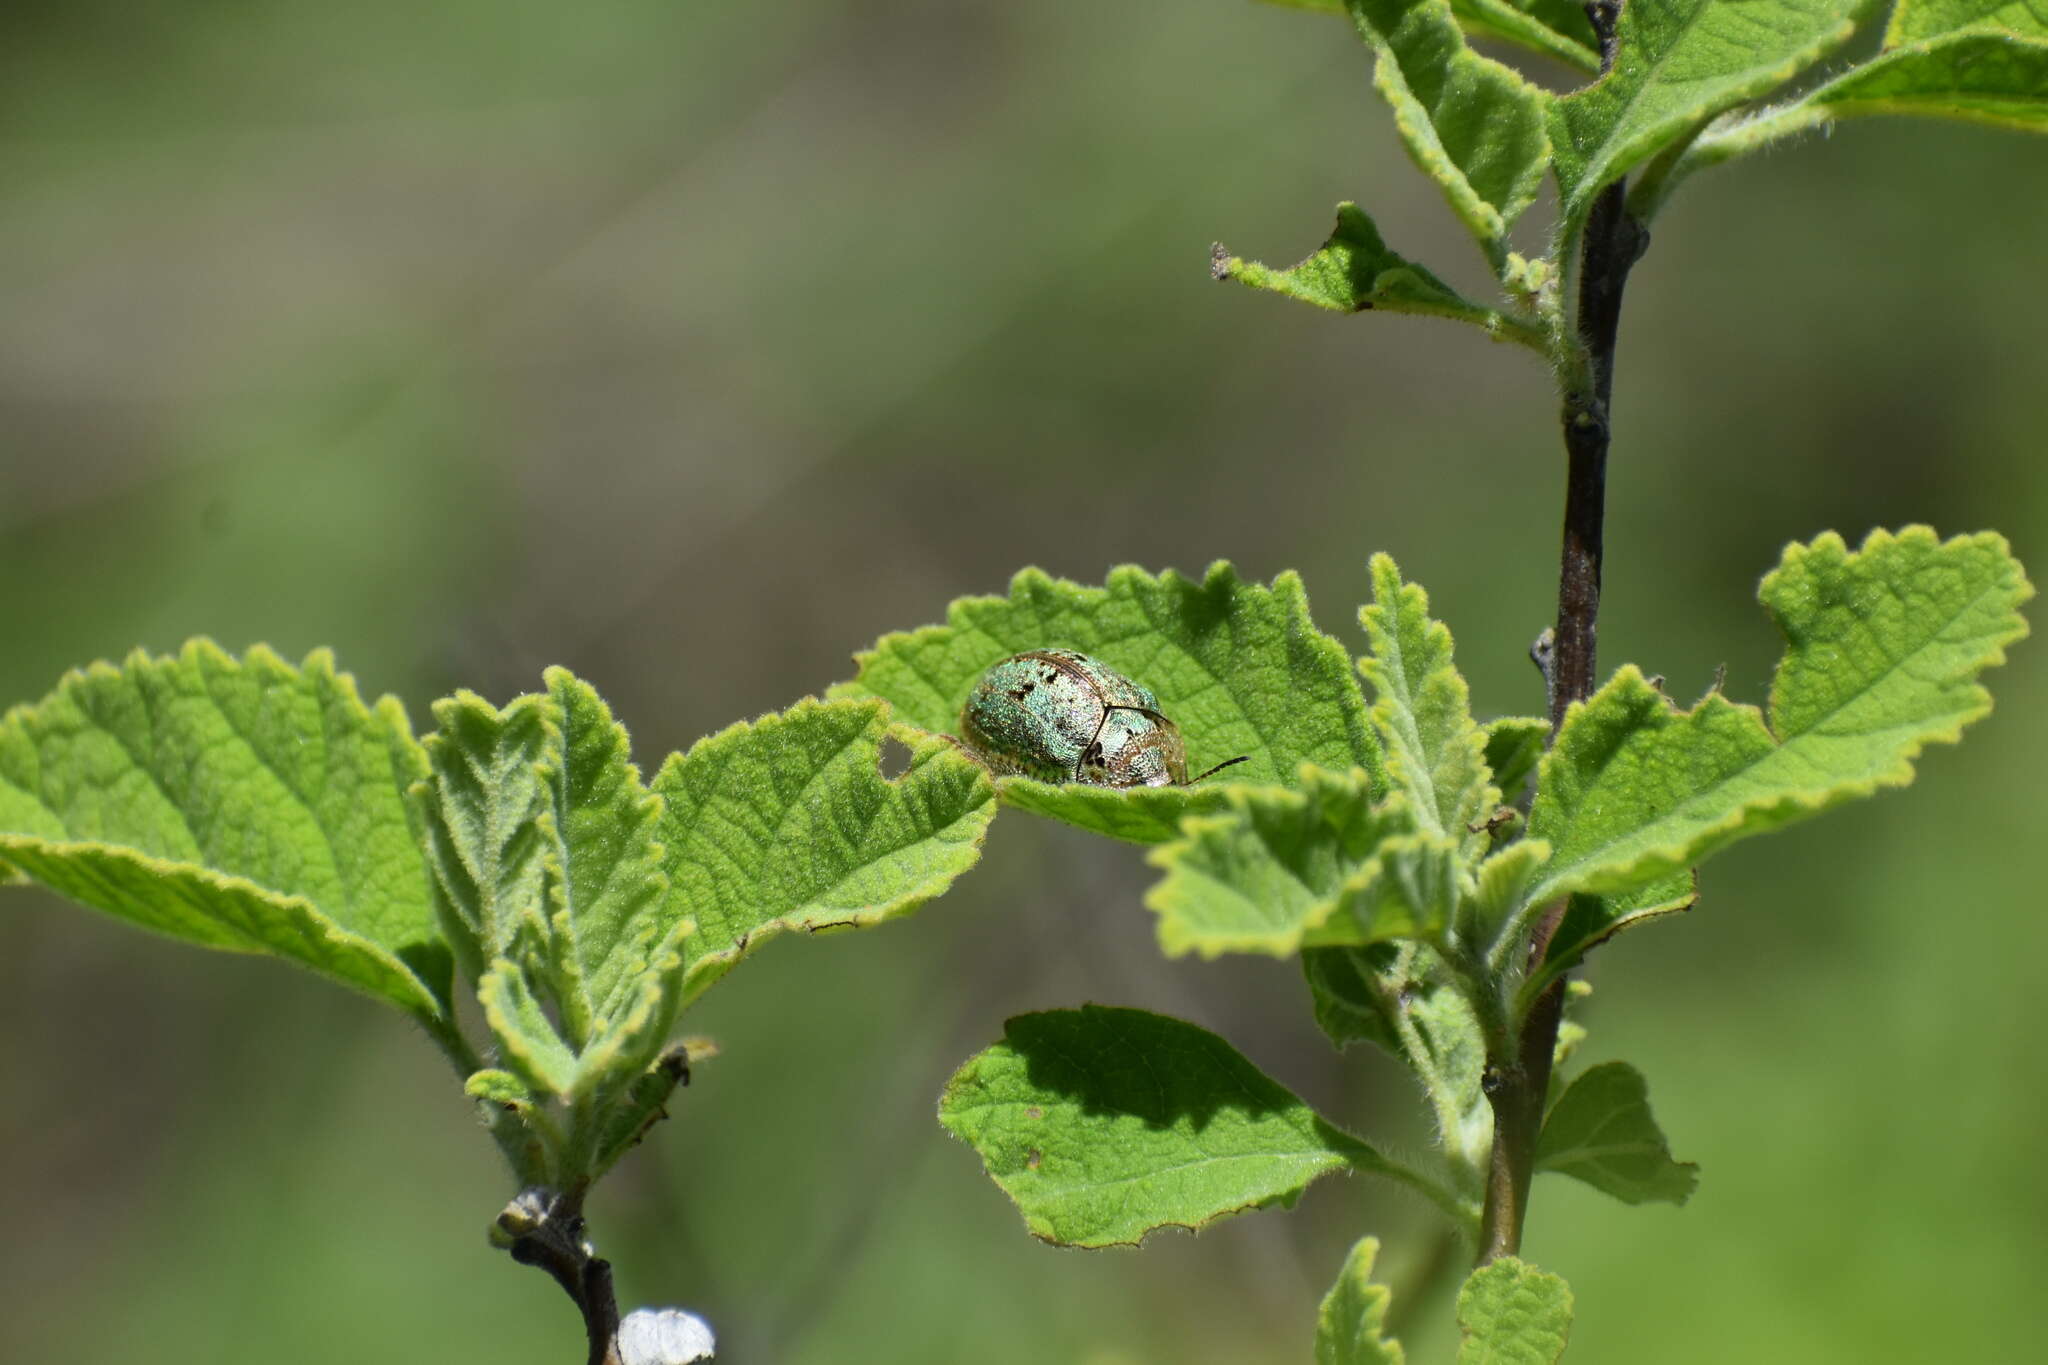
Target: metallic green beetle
x: 1060, y: 716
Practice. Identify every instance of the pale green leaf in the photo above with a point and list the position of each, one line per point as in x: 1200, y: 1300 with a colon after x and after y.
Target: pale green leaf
x: 1353, y: 1318
x: 1511, y: 1313
x: 1106, y: 1124
x: 1501, y: 884
x: 481, y: 813
x: 1239, y: 667
x: 528, y: 1043
x: 1402, y: 998
x: 1514, y: 746
x: 1678, y: 64
x: 1355, y: 272
x: 787, y: 824
x: 1474, y: 126
x: 1436, y: 755
x: 1915, y: 21
x: 1601, y: 1131
x: 1885, y: 645
x: 236, y: 804
x: 1268, y: 874
x: 1411, y: 887
x: 607, y: 886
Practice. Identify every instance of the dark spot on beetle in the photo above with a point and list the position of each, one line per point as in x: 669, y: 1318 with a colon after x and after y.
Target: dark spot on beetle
x: 893, y: 758
x: 1032, y: 1158
x: 1021, y: 692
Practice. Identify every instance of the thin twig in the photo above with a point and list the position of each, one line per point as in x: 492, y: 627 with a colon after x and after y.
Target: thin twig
x: 544, y: 1229
x: 1518, y: 1074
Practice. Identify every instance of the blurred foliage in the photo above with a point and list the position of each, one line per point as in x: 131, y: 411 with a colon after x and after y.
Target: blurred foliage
x: 471, y: 338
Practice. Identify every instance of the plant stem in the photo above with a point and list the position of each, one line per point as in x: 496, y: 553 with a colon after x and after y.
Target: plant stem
x: 1518, y: 1072
x: 550, y: 1236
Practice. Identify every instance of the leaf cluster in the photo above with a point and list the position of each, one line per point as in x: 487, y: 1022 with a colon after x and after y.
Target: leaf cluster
x: 1404, y: 858
x: 1685, y: 84
x: 250, y: 805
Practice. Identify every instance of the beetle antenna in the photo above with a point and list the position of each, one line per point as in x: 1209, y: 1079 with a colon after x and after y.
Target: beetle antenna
x: 1219, y: 768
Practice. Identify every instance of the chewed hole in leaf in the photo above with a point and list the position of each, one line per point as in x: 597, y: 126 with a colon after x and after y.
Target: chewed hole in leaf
x: 892, y: 759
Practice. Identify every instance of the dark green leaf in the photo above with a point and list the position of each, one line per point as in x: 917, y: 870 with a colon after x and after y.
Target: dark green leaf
x: 1106, y: 1124
x: 1601, y: 1131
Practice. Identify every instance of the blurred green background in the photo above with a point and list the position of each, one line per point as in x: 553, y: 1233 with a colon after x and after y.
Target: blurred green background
x: 693, y: 345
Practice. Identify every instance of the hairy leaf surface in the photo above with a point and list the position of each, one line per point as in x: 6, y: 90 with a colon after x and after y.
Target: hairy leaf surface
x: 1106, y: 1124
x: 1511, y: 1313
x: 1474, y: 126
x: 1885, y: 645
x: 787, y: 824
x: 1351, y: 1324
x: 1678, y: 64
x: 1355, y: 272
x: 237, y: 804
x: 1239, y: 667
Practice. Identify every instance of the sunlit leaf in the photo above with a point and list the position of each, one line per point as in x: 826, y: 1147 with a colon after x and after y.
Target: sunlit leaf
x: 237, y: 804
x: 1511, y: 1313
x: 1353, y: 1318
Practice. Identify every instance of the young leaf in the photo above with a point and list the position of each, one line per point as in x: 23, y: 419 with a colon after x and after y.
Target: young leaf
x: 1511, y: 1313
x: 1106, y: 1124
x: 245, y: 805
x: 1239, y: 667
x: 1916, y: 21
x: 480, y: 815
x: 1354, y: 272
x: 607, y: 884
x: 1435, y: 754
x: 527, y: 1040
x: 1976, y: 76
x: 1402, y: 999
x: 1679, y: 63
x: 1555, y: 28
x: 786, y: 823
x: 1601, y: 1131
x: 1354, y: 1314
x: 1471, y: 124
x: 1885, y: 647
x: 1269, y: 874
x: 1514, y: 746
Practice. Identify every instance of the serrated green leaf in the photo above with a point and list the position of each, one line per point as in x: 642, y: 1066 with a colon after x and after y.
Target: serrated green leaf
x: 480, y: 813
x: 1978, y: 77
x: 606, y: 885
x: 1514, y: 746
x: 1106, y: 1124
x: 1474, y: 126
x: 1238, y: 666
x: 1915, y: 21
x: 528, y: 1042
x: 498, y: 1087
x: 1501, y: 884
x: 1885, y: 647
x: 1354, y: 1315
x: 1678, y: 64
x: 244, y: 805
x: 1511, y: 1313
x: 1269, y: 873
x: 1411, y: 887
x: 1601, y: 1131
x: 1403, y: 999
x: 786, y: 823
x: 1421, y: 707
x: 1354, y: 272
